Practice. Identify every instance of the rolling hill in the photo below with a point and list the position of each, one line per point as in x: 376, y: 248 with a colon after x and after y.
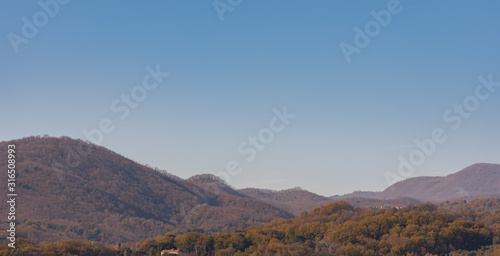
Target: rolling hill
x: 215, y: 185
x: 476, y: 181
x: 358, y: 193
x: 72, y: 189
x: 295, y: 200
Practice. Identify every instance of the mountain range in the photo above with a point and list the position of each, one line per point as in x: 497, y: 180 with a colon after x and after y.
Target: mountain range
x: 70, y: 188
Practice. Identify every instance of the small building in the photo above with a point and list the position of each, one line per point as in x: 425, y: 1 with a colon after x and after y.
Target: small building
x: 171, y: 251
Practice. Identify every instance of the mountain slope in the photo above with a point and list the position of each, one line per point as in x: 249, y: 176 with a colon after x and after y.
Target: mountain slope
x: 71, y: 189
x: 358, y: 193
x: 475, y: 181
x: 214, y: 184
x: 295, y: 200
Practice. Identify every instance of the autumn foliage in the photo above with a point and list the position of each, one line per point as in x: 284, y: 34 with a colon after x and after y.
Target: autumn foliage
x: 334, y: 229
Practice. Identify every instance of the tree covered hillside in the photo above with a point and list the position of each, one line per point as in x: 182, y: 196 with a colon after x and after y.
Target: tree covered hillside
x: 334, y: 229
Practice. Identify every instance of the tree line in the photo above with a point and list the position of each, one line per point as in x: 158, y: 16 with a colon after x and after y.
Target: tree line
x: 334, y: 229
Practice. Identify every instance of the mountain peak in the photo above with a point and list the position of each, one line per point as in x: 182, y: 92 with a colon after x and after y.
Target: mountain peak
x: 479, y: 168
x: 477, y: 180
x: 207, y: 177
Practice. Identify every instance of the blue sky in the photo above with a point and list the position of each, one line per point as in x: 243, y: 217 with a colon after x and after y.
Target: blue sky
x: 353, y: 120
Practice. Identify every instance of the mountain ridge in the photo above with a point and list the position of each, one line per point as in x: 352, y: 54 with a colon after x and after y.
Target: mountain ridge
x: 75, y: 189
x: 475, y: 181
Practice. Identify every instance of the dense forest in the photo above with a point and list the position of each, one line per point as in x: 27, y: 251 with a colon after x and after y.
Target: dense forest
x: 338, y: 228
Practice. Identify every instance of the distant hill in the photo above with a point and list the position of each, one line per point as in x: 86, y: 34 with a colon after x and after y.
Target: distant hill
x: 72, y: 189
x: 358, y: 193
x: 214, y: 184
x: 475, y: 181
x: 295, y: 200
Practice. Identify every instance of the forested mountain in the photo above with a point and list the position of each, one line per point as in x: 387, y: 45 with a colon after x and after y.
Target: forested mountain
x: 358, y: 193
x: 475, y: 181
x: 295, y: 200
x: 214, y: 184
x: 72, y: 189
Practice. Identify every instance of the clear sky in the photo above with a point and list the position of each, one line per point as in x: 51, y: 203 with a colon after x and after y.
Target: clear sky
x: 64, y: 64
